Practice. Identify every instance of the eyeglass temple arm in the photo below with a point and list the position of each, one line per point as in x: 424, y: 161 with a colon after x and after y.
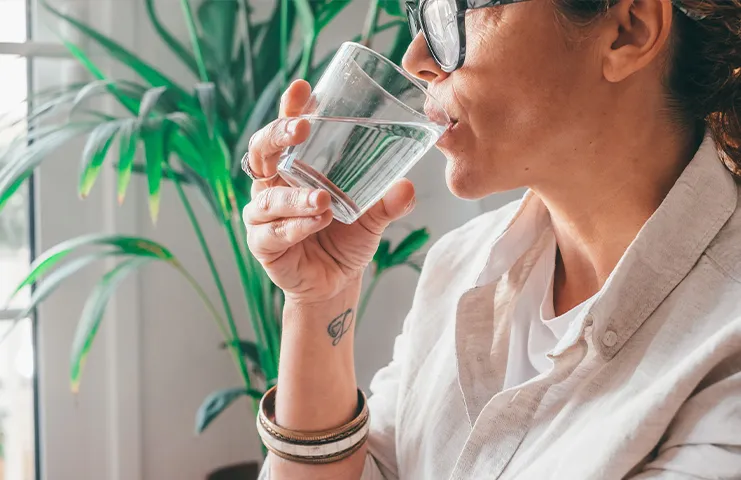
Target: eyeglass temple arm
x: 490, y: 3
x: 493, y: 3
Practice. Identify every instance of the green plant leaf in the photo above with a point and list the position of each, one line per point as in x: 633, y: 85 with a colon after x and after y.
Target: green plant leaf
x: 248, y: 349
x: 195, y: 41
x: 217, y: 402
x: 330, y: 11
x: 90, y: 90
x: 265, y: 106
x: 141, y: 169
x: 23, y: 158
x: 308, y: 28
x: 401, y: 43
x: 45, y: 105
x: 382, y: 256
x: 238, y: 69
x: 189, y: 176
x: 154, y: 147
x: 393, y: 8
x: 128, y: 138
x: 316, y: 73
x: 94, y: 153
x: 90, y: 66
x: 92, y: 315
x: 153, y: 76
x: 218, y: 19
x: 206, y: 93
x: 149, y: 101
x: 412, y: 243
x: 267, y: 53
x: 6, y: 194
x: 178, y: 48
x: 41, y: 102
x: 51, y: 282
x: 414, y: 267
x: 124, y: 244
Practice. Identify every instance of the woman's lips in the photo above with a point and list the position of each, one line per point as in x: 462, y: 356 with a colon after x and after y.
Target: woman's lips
x: 436, y: 115
x: 445, y: 137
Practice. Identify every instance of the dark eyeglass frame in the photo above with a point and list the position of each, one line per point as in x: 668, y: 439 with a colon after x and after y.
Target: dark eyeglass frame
x: 417, y: 23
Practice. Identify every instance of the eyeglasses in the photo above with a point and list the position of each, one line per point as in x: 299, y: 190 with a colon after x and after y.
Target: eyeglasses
x: 443, y: 25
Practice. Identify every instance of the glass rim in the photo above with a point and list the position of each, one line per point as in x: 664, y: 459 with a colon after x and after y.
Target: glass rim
x: 404, y: 74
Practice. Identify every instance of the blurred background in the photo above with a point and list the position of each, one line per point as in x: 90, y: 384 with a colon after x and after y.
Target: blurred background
x: 157, y: 357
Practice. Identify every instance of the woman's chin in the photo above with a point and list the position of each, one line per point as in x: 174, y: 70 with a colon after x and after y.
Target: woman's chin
x: 462, y: 183
x: 469, y: 184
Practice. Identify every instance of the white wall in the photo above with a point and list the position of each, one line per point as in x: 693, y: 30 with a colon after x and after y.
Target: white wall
x: 157, y: 356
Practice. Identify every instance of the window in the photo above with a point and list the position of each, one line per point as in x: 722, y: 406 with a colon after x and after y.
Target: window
x: 18, y: 458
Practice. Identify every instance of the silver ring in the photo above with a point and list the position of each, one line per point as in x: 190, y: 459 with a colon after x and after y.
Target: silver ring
x: 248, y: 170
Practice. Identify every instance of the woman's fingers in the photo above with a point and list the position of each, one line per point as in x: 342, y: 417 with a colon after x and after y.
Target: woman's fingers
x: 269, y: 241
x: 283, y: 202
x: 294, y: 99
x: 266, y: 145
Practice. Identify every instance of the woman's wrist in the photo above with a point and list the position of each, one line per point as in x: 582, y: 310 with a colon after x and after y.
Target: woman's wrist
x: 348, y: 297
x: 317, y: 387
x: 329, y: 322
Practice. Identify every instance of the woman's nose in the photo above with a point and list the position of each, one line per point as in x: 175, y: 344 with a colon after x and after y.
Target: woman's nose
x: 418, y: 61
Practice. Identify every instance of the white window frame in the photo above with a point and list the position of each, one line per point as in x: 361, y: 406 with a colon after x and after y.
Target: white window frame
x: 10, y: 314
x: 30, y: 49
x: 96, y: 433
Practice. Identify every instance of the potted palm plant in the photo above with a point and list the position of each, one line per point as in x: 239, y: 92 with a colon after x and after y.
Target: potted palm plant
x: 192, y: 137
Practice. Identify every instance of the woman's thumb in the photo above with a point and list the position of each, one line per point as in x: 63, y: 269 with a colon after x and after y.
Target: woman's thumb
x: 398, y: 202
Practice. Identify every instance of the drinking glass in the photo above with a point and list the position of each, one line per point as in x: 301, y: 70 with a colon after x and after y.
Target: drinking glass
x: 370, y: 123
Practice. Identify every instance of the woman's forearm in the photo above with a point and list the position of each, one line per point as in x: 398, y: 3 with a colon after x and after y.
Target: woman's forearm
x: 317, y: 389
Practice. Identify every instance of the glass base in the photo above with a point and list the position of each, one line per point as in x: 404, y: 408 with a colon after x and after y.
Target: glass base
x: 300, y: 175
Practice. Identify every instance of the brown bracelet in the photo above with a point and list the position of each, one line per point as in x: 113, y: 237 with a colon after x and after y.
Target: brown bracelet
x: 324, y: 446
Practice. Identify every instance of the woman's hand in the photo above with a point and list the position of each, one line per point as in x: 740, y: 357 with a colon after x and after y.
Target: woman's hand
x: 291, y: 232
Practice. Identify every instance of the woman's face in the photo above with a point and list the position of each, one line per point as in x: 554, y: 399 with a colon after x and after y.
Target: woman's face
x: 526, y: 98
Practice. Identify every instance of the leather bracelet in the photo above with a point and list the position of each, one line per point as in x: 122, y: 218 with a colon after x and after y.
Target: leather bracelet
x: 324, y: 446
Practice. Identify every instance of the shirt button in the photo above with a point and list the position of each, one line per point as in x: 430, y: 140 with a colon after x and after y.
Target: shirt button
x: 610, y: 338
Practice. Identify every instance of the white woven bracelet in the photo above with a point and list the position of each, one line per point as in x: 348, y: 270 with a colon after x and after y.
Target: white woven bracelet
x: 312, y: 452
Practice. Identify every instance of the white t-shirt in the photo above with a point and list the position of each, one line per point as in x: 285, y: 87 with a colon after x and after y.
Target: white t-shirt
x: 535, y: 328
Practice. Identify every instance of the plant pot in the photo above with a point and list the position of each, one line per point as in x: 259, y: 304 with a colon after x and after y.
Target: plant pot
x: 240, y: 471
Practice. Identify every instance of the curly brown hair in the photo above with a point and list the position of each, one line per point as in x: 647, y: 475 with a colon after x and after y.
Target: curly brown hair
x: 704, y: 78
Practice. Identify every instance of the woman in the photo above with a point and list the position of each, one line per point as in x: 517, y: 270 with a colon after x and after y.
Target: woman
x: 591, y: 330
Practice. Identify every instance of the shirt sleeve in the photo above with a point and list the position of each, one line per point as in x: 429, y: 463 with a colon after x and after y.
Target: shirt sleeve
x: 380, y: 461
x: 704, y: 440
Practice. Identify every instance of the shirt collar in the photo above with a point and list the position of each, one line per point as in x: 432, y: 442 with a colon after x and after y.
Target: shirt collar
x: 665, y: 249
x: 519, y: 234
x: 662, y: 254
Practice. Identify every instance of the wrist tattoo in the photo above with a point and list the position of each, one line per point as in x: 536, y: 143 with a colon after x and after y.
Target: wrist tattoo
x: 339, y: 325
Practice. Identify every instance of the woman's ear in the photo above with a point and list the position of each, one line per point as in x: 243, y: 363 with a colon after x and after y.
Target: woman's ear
x: 634, y: 32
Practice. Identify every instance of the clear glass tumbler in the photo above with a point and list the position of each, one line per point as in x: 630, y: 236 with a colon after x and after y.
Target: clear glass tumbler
x: 370, y: 123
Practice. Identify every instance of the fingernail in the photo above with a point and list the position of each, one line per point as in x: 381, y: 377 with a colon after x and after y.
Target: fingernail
x: 291, y: 126
x: 314, y: 198
x: 318, y: 218
x: 410, y: 205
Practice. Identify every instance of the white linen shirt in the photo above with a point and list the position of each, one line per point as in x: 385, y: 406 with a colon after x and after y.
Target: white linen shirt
x: 647, y: 387
x: 534, y: 328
